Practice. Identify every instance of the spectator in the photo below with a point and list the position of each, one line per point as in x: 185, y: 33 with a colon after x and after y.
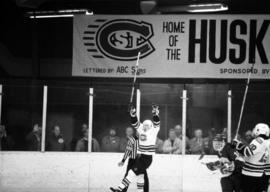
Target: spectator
x: 82, y: 144
x: 248, y: 137
x: 56, y: 142
x: 84, y: 127
x: 111, y: 142
x: 208, y: 142
x: 225, y: 131
x: 34, y: 139
x: 178, y: 132
x: 77, y: 137
x: 197, y: 143
x: 123, y: 141
x: 212, y: 133
x: 159, y: 145
x: 6, y: 143
x: 173, y: 145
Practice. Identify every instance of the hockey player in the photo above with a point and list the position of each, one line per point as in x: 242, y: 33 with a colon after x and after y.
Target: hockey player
x: 147, y: 133
x: 256, y: 155
x: 266, y: 176
x: 131, y: 153
x: 231, y: 164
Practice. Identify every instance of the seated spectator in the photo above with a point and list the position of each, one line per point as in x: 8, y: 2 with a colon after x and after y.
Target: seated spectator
x: 178, y: 132
x: 123, y: 141
x: 248, y: 137
x: 55, y: 141
x: 82, y: 144
x: 173, y: 144
x: 34, y: 139
x: 111, y: 142
x: 6, y: 143
x: 159, y: 145
x: 197, y: 143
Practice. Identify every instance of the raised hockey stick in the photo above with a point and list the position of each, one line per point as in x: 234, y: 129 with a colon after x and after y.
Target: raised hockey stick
x: 244, y: 101
x: 134, y: 80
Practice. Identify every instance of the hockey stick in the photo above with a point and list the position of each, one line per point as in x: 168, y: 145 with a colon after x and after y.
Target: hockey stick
x: 134, y: 80
x: 244, y: 101
x: 201, y: 156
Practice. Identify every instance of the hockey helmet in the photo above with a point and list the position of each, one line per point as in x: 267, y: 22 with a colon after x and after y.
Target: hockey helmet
x: 147, y: 124
x: 261, y: 129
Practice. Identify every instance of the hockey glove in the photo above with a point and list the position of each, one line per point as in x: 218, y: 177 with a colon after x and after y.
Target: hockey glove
x: 238, y: 145
x: 132, y: 111
x: 155, y: 110
x: 211, y: 166
x: 227, y: 168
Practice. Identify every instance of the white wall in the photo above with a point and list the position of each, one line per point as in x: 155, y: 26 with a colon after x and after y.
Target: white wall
x: 96, y: 172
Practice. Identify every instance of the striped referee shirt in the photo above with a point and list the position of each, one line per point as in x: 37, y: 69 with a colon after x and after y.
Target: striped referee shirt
x: 131, y: 148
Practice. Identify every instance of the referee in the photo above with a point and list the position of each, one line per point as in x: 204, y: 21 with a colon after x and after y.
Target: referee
x: 131, y: 153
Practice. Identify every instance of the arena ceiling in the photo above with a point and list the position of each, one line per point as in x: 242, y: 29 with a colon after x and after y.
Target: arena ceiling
x: 134, y: 6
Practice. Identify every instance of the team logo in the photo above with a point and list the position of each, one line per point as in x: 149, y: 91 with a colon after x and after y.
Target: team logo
x: 119, y: 39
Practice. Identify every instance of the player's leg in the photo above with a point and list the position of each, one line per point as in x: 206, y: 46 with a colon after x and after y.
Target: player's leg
x: 144, y: 163
x: 138, y: 169
x: 146, y: 182
x: 260, y: 184
x: 226, y: 184
x: 125, y: 182
x: 129, y: 167
x: 132, y: 173
x: 249, y: 184
x: 265, y: 183
x: 245, y: 183
x: 236, y: 180
x: 140, y: 183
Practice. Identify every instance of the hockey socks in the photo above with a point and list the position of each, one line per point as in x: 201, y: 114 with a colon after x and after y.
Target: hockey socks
x: 127, y: 180
x: 140, y: 182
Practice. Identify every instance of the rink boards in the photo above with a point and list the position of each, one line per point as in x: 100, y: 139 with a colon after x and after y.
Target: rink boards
x: 96, y: 172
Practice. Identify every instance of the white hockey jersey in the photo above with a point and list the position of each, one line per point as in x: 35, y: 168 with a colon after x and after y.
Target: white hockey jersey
x: 267, y: 165
x: 147, y: 139
x: 256, y: 156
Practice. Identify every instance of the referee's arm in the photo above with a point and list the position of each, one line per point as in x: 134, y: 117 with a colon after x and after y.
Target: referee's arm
x: 127, y: 151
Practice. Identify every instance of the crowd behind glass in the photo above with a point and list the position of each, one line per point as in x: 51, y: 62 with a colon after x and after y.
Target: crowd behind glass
x: 68, y: 110
x: 198, y: 142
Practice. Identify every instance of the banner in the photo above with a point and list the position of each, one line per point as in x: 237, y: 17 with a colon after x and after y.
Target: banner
x: 172, y: 46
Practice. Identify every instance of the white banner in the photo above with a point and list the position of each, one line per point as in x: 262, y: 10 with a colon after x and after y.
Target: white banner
x: 172, y: 46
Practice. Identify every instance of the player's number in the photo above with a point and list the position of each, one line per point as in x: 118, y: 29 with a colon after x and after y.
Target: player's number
x: 263, y: 158
x: 252, y: 147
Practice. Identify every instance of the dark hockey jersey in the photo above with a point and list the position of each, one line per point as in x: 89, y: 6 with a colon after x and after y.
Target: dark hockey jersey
x: 232, y: 155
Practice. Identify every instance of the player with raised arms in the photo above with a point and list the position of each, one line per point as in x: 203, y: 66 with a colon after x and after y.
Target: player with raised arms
x: 147, y: 133
x: 131, y: 154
